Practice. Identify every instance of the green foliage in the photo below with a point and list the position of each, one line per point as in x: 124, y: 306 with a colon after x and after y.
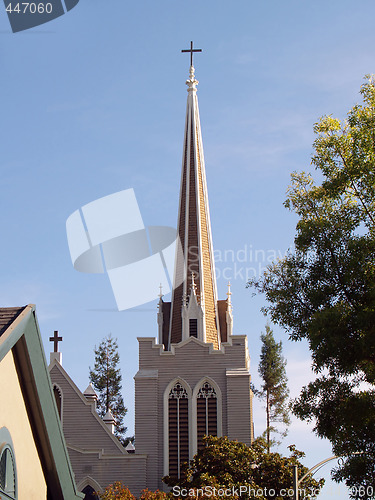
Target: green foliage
x: 275, y: 384
x: 224, y: 464
x: 117, y: 491
x: 324, y: 291
x: 106, y: 379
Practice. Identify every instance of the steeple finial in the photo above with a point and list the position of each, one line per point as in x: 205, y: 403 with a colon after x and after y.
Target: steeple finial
x: 229, y: 294
x: 160, y: 303
x: 191, y: 82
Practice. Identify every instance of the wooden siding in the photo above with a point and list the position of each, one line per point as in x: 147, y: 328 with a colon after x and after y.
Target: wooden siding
x: 222, y: 306
x: 176, y: 320
x: 94, y: 452
x: 239, y: 408
x: 147, y: 427
x: 105, y: 470
x: 81, y: 425
x: 207, y: 266
x: 193, y: 223
x: 170, y: 365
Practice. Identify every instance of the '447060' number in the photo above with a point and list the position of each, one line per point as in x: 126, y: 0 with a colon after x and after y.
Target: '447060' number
x: 32, y: 8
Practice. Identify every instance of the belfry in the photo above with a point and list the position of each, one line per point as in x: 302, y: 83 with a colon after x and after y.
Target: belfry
x: 195, y: 379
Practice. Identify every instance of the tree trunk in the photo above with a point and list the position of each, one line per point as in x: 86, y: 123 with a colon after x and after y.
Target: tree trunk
x: 268, y: 420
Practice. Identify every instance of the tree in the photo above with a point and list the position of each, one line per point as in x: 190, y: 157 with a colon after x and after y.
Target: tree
x: 324, y: 291
x: 117, y: 491
x: 275, y: 384
x: 106, y: 379
x: 242, y: 471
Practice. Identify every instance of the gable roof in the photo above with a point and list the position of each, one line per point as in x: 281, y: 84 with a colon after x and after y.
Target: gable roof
x: 8, y: 315
x: 19, y: 332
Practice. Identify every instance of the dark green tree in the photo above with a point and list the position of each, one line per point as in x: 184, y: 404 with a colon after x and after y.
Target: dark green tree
x: 274, y: 389
x: 106, y: 379
x: 324, y: 290
x: 224, y: 464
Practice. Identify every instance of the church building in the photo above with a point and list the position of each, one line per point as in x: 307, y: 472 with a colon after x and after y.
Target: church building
x: 34, y: 462
x: 97, y: 456
x: 195, y: 379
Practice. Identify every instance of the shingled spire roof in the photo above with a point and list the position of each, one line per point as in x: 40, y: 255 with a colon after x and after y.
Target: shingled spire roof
x: 194, y: 231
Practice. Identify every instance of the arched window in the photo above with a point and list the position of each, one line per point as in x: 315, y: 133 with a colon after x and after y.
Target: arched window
x: 8, y: 479
x: 206, y: 413
x: 89, y: 493
x: 178, y: 428
x: 58, y: 398
x: 90, y: 488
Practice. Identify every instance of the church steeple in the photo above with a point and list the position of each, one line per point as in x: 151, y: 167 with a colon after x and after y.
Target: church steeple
x: 196, y: 380
x: 197, y: 263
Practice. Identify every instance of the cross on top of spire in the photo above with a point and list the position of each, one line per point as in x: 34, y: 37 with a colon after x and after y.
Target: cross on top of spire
x: 191, y: 82
x: 191, y: 50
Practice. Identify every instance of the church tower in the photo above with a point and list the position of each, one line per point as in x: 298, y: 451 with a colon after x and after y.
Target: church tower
x: 195, y: 379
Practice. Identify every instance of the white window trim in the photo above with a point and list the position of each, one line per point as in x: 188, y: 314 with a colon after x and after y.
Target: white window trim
x: 89, y: 481
x: 6, y: 443
x: 194, y: 411
x: 62, y: 401
x: 168, y: 389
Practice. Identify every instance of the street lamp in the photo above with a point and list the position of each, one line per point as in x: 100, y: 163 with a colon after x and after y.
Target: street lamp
x: 297, y: 482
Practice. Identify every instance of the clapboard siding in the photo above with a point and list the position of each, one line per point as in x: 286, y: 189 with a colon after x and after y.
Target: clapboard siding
x: 108, y: 469
x: 146, y: 426
x: 239, y: 401
x: 79, y: 419
x: 94, y: 452
x: 190, y: 361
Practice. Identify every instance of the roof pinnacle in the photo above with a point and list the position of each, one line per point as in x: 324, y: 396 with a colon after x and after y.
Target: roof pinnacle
x: 229, y: 293
x: 193, y: 284
x: 191, y: 82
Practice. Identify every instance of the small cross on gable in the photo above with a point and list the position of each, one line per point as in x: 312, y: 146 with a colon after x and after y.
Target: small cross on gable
x: 55, y: 339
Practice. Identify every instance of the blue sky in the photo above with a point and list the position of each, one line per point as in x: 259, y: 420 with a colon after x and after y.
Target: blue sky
x: 94, y: 102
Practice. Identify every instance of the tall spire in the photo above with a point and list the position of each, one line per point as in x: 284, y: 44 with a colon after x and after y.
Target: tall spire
x: 195, y: 235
